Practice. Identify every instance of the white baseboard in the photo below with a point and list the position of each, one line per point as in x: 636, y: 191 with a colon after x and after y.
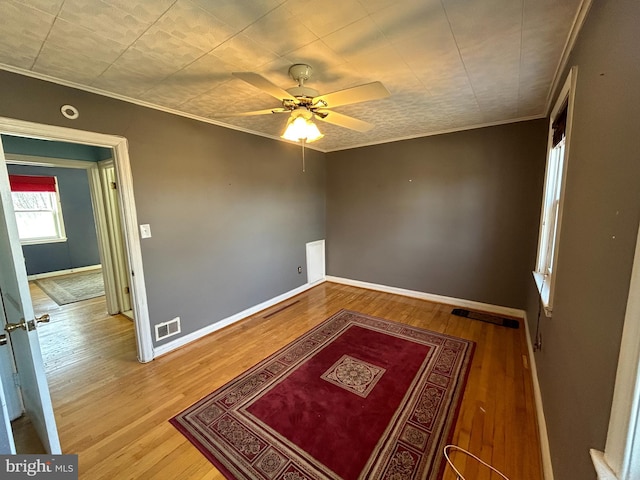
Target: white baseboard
x: 57, y: 273
x: 192, y: 337
x: 545, y: 450
x: 458, y: 302
x: 547, y: 467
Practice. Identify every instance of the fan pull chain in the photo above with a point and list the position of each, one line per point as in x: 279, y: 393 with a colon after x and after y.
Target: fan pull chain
x: 303, y: 141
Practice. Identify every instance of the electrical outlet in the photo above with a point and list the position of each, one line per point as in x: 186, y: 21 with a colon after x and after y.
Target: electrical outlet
x: 299, y: 269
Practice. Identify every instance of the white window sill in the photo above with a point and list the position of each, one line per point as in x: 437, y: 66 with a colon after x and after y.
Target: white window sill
x: 41, y: 241
x: 602, y: 467
x: 543, y: 290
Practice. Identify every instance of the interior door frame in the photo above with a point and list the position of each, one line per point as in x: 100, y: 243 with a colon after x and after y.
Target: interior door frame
x: 119, y: 146
x: 113, y: 239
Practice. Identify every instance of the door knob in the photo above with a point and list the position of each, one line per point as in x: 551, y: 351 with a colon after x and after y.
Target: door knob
x: 30, y: 325
x: 10, y: 327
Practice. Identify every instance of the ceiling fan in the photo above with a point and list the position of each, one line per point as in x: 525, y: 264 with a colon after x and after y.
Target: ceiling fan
x: 304, y: 103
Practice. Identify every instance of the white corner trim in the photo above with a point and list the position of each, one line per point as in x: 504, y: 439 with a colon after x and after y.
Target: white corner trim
x: 313, y: 146
x: 198, y: 334
x: 475, y: 126
x: 545, y: 450
x: 57, y: 273
x: 622, y: 449
x: 578, y: 21
x: 459, y: 302
x: 142, y: 103
x: 602, y: 467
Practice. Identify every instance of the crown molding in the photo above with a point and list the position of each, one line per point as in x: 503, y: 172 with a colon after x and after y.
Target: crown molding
x: 576, y: 27
x: 443, y: 132
x: 142, y: 103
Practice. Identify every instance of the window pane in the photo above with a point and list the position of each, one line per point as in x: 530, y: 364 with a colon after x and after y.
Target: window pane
x: 38, y: 216
x: 33, y: 225
x: 33, y: 200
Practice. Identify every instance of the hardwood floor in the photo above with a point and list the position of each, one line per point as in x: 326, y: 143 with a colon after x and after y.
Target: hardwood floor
x: 114, y: 411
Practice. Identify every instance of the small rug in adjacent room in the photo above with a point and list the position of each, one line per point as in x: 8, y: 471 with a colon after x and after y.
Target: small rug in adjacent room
x: 65, y: 289
x: 355, y: 397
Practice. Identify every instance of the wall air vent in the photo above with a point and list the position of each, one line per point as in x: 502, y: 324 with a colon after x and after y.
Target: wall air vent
x: 167, y: 329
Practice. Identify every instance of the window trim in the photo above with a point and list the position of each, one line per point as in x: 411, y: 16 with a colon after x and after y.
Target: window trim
x: 545, y: 282
x: 59, y: 219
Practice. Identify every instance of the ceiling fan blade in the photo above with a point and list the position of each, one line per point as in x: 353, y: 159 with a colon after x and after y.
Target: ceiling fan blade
x: 361, y: 93
x: 263, y: 84
x: 345, y: 121
x: 256, y: 112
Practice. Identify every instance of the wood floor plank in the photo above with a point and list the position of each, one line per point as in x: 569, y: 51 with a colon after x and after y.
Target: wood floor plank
x: 113, y: 411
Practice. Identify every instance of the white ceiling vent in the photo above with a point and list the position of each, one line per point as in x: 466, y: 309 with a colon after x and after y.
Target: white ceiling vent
x: 167, y: 329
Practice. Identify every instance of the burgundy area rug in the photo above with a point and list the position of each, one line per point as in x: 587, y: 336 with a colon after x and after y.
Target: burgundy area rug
x: 357, y: 397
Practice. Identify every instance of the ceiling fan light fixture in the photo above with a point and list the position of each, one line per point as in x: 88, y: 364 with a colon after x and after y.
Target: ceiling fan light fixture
x: 299, y: 128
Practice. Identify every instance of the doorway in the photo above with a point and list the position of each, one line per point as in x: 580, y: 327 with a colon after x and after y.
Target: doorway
x: 126, y: 207
x: 126, y: 204
x: 88, y: 207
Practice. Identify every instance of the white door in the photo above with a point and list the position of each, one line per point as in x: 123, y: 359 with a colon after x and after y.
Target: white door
x: 7, y: 372
x: 16, y: 302
x: 6, y: 436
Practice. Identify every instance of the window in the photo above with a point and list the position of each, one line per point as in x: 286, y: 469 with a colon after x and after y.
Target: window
x: 551, y: 216
x: 37, y: 207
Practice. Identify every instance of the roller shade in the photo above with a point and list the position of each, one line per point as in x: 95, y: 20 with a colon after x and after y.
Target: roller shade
x: 560, y: 126
x: 32, y: 183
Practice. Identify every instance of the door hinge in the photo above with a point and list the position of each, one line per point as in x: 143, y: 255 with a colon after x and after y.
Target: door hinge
x: 16, y: 379
x: 114, y: 186
x: 127, y: 290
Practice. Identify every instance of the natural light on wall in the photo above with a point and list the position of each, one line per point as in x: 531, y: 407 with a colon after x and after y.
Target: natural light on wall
x: 37, y: 207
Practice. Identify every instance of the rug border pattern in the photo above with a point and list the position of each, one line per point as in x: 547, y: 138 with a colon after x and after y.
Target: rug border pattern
x: 409, y: 446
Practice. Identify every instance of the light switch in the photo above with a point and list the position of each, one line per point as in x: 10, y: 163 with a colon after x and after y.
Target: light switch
x: 145, y: 231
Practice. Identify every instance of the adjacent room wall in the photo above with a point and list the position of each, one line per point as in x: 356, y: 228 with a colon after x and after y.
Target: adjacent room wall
x: 580, y: 343
x: 45, y: 148
x: 230, y: 212
x: 453, y: 215
x: 81, y: 247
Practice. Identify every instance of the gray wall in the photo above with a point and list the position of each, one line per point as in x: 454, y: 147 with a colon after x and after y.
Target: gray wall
x: 230, y: 212
x: 453, y: 215
x: 81, y: 247
x: 578, y: 361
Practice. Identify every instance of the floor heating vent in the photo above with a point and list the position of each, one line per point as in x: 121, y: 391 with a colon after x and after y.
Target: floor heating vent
x: 486, y: 317
x: 167, y: 329
x: 271, y: 314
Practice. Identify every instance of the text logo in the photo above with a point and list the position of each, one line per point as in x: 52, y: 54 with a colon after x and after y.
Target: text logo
x: 50, y: 467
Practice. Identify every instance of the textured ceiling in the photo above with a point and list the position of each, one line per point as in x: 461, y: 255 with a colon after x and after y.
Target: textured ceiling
x: 449, y: 64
